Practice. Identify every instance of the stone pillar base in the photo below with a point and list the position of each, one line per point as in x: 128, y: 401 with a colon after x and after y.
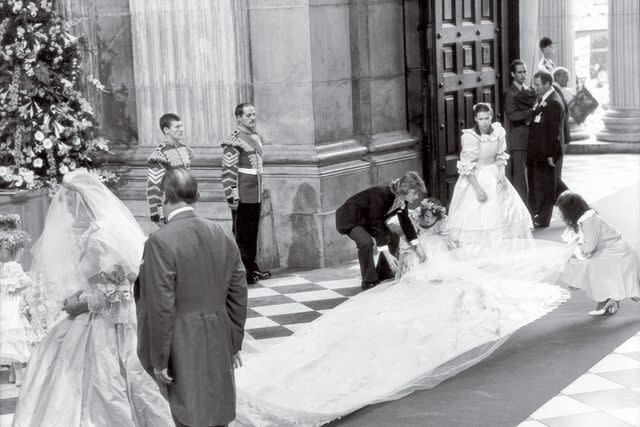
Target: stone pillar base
x: 577, y: 131
x: 211, y: 205
x: 621, y: 125
x: 305, y: 196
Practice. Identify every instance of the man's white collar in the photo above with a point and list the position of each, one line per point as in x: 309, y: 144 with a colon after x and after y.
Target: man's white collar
x: 179, y: 210
x: 546, y: 94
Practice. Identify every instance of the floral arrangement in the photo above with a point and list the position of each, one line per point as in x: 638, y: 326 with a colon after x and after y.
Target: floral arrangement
x: 13, y: 239
x: 9, y: 221
x: 47, y: 128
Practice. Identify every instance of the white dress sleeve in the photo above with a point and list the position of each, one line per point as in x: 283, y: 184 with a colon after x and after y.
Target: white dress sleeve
x: 469, y: 155
x: 502, y: 156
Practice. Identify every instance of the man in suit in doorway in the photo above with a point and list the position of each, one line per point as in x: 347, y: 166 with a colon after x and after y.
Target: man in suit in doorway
x: 518, y: 105
x: 544, y: 149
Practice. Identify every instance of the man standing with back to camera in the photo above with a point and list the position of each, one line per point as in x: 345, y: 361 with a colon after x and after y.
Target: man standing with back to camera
x: 242, y: 182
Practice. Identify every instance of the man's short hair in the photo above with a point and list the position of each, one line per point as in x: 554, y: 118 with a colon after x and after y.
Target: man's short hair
x: 559, y: 71
x: 545, y: 42
x: 544, y: 77
x: 179, y: 185
x: 514, y: 64
x: 167, y: 120
x: 239, y: 111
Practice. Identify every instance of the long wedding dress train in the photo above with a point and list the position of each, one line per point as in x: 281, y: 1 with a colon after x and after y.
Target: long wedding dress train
x: 439, y: 319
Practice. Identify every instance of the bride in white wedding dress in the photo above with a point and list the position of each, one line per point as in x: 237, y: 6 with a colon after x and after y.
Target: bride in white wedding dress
x: 440, y: 318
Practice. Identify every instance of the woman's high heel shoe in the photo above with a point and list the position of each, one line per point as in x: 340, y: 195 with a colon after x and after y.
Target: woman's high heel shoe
x: 600, y: 309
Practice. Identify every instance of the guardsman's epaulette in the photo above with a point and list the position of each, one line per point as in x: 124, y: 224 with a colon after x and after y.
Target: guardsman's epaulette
x: 158, y: 155
x: 232, y: 140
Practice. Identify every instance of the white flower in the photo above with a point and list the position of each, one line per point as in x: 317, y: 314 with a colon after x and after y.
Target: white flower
x: 33, y: 9
x: 4, y: 171
x: 47, y: 143
x: 63, y: 148
x: 37, y: 163
x: 39, y: 136
x: 18, y: 181
x: 29, y: 178
x: 17, y: 6
x: 72, y: 165
x: 76, y: 141
x: 63, y: 169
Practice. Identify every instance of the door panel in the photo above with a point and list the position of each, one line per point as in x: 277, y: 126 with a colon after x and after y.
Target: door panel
x: 465, y: 50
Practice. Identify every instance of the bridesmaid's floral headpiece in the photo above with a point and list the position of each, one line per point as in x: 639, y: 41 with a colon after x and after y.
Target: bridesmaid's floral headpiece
x: 434, y: 207
x: 13, y: 239
x: 9, y: 221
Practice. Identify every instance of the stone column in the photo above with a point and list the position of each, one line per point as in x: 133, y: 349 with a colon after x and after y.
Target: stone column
x: 556, y: 22
x: 329, y: 92
x: 380, y: 98
x: 186, y: 62
x: 107, y: 27
x: 622, y: 120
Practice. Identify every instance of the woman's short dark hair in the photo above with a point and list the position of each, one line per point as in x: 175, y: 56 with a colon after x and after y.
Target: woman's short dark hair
x: 544, y: 42
x: 572, y: 206
x: 409, y: 181
x: 179, y: 185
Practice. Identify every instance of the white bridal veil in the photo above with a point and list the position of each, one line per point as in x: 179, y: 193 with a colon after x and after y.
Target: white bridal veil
x: 87, y: 229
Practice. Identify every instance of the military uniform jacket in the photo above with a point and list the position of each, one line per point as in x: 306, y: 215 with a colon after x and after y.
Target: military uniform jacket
x: 242, y: 167
x: 163, y: 157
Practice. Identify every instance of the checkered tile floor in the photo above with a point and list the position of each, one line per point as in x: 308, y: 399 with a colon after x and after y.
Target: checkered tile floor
x: 278, y: 307
x: 606, y: 395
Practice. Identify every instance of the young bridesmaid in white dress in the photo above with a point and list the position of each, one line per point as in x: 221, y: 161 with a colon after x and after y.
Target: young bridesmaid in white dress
x: 604, y: 265
x: 17, y: 336
x: 485, y: 210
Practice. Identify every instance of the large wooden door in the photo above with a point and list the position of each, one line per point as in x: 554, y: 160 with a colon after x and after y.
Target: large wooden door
x: 466, y: 49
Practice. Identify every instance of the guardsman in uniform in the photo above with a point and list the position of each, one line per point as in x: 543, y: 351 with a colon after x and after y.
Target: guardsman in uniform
x: 242, y: 182
x: 171, y: 153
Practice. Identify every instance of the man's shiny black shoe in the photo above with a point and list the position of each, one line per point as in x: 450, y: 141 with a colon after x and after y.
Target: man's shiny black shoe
x: 252, y: 279
x: 261, y: 275
x: 368, y: 285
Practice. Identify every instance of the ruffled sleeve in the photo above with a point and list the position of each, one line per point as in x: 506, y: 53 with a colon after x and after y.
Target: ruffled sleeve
x: 15, y: 279
x: 502, y: 156
x: 469, y: 154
